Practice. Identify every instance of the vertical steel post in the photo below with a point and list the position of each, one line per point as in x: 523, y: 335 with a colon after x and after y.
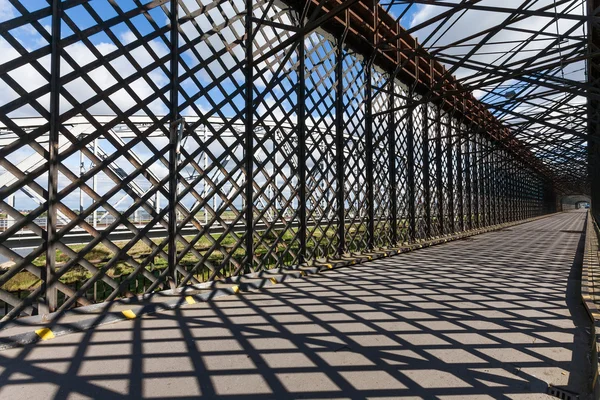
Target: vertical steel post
x: 81, y: 172
x: 95, y: 186
x: 392, y: 154
x: 509, y: 184
x: 521, y: 193
x: 501, y: 187
x: 410, y: 167
x: 438, y: 169
x: 450, y: 175
x: 205, y: 189
x: 468, y: 194
x: 495, y: 183
x: 486, y: 180
x: 248, y: 140
x: 339, y: 146
x: 369, y: 157
x: 47, y: 274
x: 512, y: 187
x: 459, y: 178
x: 518, y: 194
x: 425, y: 171
x: 483, y: 183
x: 476, y: 191
x: 505, y: 187
x: 516, y: 184
x: 173, y: 132
x: 302, y: 149
x: 489, y: 180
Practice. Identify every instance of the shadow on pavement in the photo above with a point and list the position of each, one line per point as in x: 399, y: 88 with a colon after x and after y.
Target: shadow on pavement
x: 495, y: 317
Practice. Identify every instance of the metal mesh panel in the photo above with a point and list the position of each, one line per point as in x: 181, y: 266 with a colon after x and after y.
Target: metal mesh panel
x: 400, y: 96
x: 381, y: 160
x: 150, y: 145
x: 211, y: 178
x: 447, y: 184
x: 322, y: 240
x: 24, y: 154
x: 467, y: 176
x: 435, y: 194
x: 355, y: 199
x: 275, y: 147
x: 419, y: 189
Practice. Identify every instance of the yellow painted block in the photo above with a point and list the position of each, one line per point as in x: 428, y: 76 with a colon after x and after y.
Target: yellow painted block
x: 45, y: 333
x: 329, y: 266
x: 190, y: 300
x: 369, y: 257
x: 273, y: 281
x: 128, y: 314
x: 236, y: 289
x: 302, y: 273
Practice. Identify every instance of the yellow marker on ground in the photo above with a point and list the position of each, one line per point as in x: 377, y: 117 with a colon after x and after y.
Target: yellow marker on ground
x: 190, y: 300
x: 329, y: 266
x: 45, y: 333
x: 369, y: 257
x: 236, y: 289
x: 128, y: 314
x: 302, y: 273
x: 273, y: 281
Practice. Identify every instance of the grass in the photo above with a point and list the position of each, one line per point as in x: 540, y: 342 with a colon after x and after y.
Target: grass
x: 284, y: 246
x: 100, y: 255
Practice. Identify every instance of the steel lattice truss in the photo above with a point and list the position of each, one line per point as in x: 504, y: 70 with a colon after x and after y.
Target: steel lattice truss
x: 527, y: 64
x: 147, y: 145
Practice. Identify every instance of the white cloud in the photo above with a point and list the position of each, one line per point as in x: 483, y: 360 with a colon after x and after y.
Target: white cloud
x: 7, y: 11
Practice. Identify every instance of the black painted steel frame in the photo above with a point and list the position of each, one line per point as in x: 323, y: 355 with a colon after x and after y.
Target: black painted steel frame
x: 337, y: 156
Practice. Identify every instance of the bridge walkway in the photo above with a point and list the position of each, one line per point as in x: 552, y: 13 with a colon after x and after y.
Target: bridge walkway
x: 493, y: 316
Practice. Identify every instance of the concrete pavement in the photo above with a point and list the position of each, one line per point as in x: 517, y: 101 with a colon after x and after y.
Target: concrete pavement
x: 492, y: 316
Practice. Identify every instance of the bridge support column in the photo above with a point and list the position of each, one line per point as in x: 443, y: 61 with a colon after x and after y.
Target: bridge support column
x: 49, y: 303
x: 439, y: 182
x: 410, y: 167
x: 173, y: 143
x: 339, y: 146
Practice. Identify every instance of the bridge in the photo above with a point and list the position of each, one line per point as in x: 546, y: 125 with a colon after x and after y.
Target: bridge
x: 299, y: 199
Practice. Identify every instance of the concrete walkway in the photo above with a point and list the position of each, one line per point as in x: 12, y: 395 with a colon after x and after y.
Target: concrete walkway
x: 493, y: 316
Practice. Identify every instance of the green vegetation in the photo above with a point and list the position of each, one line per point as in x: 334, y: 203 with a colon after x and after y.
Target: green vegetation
x: 284, y: 247
x: 275, y: 248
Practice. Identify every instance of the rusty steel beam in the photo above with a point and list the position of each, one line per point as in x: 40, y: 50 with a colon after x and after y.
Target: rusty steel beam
x: 374, y: 33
